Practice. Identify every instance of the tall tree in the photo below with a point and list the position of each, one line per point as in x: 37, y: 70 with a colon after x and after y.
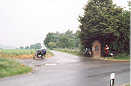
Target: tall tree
x: 51, y: 37
x: 103, y: 20
x: 129, y: 4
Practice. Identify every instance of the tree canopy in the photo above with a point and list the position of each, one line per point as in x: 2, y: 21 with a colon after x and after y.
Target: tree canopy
x: 106, y: 22
x: 32, y: 46
x: 62, y: 40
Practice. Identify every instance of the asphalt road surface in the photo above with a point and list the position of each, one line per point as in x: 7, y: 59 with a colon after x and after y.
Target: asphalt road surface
x: 69, y: 70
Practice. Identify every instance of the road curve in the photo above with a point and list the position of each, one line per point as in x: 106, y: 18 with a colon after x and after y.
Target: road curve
x: 68, y: 70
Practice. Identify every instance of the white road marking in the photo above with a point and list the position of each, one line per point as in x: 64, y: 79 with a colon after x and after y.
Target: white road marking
x: 50, y: 64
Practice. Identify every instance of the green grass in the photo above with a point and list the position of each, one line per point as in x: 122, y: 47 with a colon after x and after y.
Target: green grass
x: 50, y: 53
x: 20, y: 53
x: 71, y: 51
x: 17, y: 51
x: 122, y: 57
x: 9, y: 67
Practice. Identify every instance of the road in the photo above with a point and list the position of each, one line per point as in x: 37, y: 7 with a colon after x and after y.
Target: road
x: 68, y: 70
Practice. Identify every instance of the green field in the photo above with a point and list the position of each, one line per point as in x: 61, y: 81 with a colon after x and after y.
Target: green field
x: 9, y: 67
x: 20, y: 53
x: 17, y: 51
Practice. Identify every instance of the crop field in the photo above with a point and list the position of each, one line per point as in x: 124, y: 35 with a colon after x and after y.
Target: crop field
x: 20, y: 53
x: 17, y: 51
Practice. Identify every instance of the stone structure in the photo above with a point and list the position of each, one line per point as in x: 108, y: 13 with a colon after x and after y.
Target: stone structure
x: 96, y: 49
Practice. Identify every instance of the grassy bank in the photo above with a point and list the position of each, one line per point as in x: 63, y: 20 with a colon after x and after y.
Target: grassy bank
x: 49, y: 54
x: 121, y: 57
x: 71, y: 51
x: 9, y: 67
x: 20, y: 53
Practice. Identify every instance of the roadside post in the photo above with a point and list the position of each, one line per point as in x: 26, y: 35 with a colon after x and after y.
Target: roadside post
x: 112, y: 79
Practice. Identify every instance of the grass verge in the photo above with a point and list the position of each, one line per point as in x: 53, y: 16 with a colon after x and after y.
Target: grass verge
x: 49, y: 54
x: 9, y: 67
x: 120, y: 57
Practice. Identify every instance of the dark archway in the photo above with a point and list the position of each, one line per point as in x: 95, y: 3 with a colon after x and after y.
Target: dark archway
x: 104, y: 39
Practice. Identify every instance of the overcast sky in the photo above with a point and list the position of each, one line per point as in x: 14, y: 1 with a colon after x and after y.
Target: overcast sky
x: 25, y: 22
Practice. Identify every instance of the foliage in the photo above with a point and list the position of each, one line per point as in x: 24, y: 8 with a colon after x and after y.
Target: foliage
x: 32, y: 46
x: 62, y: 40
x: 52, y: 45
x: 129, y: 4
x: 36, y: 46
x: 104, y: 21
x: 10, y: 67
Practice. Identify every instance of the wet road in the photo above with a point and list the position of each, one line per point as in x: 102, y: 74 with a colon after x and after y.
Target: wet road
x: 69, y: 70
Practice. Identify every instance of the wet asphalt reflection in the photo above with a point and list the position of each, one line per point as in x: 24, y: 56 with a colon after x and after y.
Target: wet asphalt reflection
x: 68, y: 70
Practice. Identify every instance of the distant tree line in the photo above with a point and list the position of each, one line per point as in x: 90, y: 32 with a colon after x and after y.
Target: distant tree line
x: 32, y: 46
x: 62, y: 40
